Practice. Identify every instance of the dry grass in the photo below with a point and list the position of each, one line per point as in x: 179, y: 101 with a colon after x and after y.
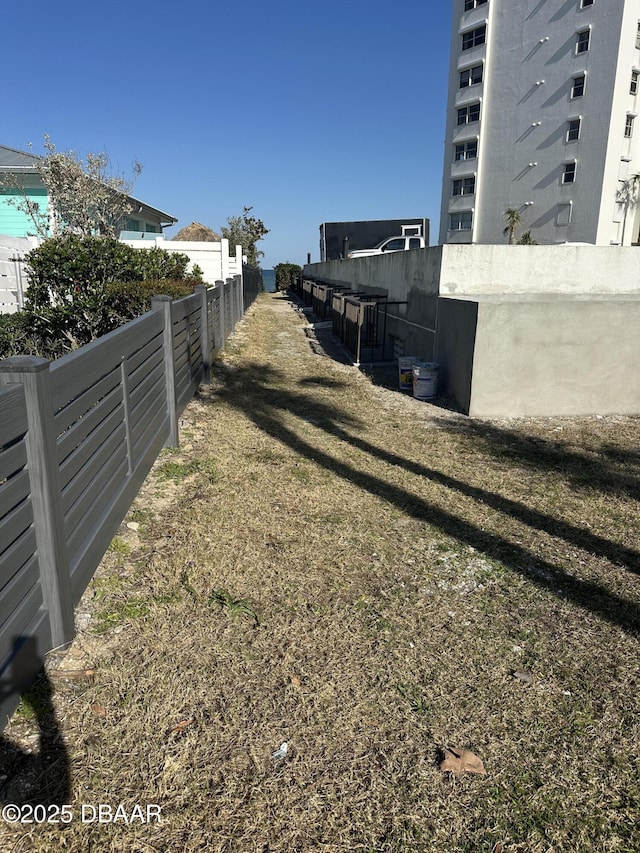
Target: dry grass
x: 328, y: 564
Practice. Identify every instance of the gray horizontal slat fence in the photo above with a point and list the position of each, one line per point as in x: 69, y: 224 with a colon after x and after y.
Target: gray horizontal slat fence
x: 213, y: 322
x: 186, y: 320
x: 228, y: 307
x: 99, y: 476
x: 21, y: 614
x: 77, y: 438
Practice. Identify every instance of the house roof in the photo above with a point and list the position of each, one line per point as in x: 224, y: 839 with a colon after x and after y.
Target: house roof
x: 14, y: 161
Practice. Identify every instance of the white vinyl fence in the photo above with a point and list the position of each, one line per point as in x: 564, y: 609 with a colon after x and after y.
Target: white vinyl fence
x: 213, y: 258
x: 13, y: 279
x: 77, y: 438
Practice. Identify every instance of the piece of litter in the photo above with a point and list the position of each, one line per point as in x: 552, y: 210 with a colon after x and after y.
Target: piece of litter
x: 523, y: 676
x: 566, y: 693
x: 459, y: 761
x: 280, y: 753
x: 133, y: 525
x: 180, y: 727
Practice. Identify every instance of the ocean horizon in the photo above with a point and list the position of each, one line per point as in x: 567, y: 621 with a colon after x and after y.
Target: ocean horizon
x: 269, y: 279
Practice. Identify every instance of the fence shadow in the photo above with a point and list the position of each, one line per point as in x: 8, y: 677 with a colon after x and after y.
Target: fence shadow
x: 41, y: 777
x: 257, y: 390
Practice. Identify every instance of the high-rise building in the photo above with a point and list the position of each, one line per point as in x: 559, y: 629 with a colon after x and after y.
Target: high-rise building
x: 542, y: 119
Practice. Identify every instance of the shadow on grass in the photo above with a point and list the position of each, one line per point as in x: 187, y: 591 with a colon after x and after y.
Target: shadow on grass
x: 613, y: 470
x: 41, y: 777
x: 259, y: 392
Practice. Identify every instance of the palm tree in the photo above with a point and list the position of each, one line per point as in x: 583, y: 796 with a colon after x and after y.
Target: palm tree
x: 513, y: 218
x: 525, y: 239
x: 627, y: 196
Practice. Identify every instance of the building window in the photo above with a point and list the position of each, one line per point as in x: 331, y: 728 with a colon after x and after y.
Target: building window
x: 585, y: 3
x: 577, y: 87
x: 466, y: 150
x: 473, y: 4
x: 628, y: 126
x: 470, y: 76
x: 467, y: 115
x: 582, y: 44
x: 633, y: 88
x: 464, y: 186
x: 569, y: 173
x: 460, y: 221
x: 573, y: 129
x: 474, y: 38
x: 638, y: 36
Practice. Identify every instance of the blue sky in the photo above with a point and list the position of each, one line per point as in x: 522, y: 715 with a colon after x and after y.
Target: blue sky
x: 309, y: 112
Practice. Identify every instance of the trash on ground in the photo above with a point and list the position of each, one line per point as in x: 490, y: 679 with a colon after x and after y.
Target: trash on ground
x: 459, y: 761
x: 523, y: 676
x: 280, y: 753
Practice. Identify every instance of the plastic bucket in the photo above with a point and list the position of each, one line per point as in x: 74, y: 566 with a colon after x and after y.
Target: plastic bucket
x: 405, y: 373
x: 425, y: 380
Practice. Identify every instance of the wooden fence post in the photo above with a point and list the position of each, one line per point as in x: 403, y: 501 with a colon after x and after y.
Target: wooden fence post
x: 163, y: 303
x: 46, y: 495
x: 205, y: 333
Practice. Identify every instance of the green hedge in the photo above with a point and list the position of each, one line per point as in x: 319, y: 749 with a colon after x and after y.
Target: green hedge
x: 83, y: 287
x: 285, y: 274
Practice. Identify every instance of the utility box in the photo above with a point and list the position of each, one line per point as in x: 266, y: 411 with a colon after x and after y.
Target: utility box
x: 336, y: 237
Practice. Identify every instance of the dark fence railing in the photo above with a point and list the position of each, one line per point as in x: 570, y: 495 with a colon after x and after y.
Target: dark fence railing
x: 253, y: 284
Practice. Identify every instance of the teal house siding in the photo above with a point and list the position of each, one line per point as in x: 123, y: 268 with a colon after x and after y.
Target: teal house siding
x: 20, y: 169
x: 16, y: 223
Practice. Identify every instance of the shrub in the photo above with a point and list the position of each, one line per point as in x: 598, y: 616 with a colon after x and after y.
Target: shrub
x: 16, y: 335
x: 83, y: 287
x: 70, y: 269
x: 285, y: 274
x: 130, y: 299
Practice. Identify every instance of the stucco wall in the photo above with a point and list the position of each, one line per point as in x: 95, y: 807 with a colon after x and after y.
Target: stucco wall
x: 540, y: 269
x: 517, y: 330
x: 473, y: 269
x: 548, y: 355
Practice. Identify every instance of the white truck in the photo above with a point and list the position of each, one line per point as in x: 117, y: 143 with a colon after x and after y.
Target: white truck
x: 392, y: 244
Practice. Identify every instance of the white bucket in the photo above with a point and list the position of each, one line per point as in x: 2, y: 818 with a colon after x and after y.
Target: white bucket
x: 425, y: 380
x: 405, y: 373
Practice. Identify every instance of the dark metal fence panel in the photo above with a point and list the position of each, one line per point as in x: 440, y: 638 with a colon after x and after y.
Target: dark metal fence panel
x: 252, y: 285
x: 307, y: 291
